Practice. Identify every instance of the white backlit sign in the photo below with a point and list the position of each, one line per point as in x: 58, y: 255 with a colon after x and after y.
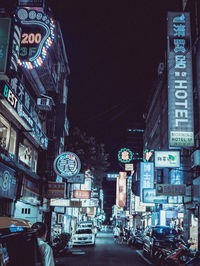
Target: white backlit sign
x: 167, y: 159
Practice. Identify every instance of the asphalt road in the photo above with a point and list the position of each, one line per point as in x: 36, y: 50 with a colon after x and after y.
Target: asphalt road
x: 105, y: 253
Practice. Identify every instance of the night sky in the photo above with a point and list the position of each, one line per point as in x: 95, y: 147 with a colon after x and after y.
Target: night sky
x: 114, y: 48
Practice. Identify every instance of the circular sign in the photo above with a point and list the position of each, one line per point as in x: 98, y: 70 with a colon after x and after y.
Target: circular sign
x: 125, y: 155
x: 67, y: 164
x: 37, y: 36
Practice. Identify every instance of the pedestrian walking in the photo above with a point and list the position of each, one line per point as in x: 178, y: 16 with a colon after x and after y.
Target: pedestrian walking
x: 116, y: 232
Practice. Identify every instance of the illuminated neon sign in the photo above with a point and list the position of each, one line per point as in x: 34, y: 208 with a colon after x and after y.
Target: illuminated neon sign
x: 125, y: 155
x: 67, y: 164
x: 147, y: 154
x: 37, y: 36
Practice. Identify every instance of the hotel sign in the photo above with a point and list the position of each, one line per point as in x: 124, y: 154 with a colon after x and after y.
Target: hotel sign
x: 180, y: 94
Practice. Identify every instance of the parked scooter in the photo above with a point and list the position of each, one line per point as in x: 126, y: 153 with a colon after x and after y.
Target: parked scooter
x: 195, y: 261
x: 136, y: 239
x: 61, y: 245
x: 179, y: 256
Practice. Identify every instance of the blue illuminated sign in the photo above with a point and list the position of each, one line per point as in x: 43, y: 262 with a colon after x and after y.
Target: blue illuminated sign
x: 146, y: 177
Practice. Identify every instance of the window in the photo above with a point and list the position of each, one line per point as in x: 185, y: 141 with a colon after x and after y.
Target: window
x: 12, y: 144
x: 28, y: 155
x: 60, y: 218
x: 7, y: 136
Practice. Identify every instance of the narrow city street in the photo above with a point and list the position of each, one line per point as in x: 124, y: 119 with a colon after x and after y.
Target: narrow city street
x: 105, y: 253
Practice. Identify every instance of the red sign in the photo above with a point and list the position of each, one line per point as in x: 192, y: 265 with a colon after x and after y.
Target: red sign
x: 82, y: 194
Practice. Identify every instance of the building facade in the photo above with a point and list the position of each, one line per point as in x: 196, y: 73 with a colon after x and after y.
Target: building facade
x: 33, y: 77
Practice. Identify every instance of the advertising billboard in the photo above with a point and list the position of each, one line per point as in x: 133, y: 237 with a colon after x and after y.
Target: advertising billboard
x: 180, y: 87
x: 121, y: 189
x: 146, y: 177
x: 168, y: 159
x: 55, y: 190
x: 21, y: 103
x: 37, y: 37
x: 78, y: 179
x: 150, y: 196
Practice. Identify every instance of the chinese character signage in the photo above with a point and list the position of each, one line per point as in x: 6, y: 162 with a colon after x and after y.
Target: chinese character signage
x: 167, y: 159
x: 129, y: 167
x: 121, y: 189
x: 111, y: 177
x: 125, y: 155
x: 170, y: 190
x: 180, y: 94
x: 55, y: 190
x: 37, y: 37
x: 67, y: 164
x: 147, y: 154
x: 150, y: 196
x: 78, y: 179
x: 146, y: 177
x: 24, y: 109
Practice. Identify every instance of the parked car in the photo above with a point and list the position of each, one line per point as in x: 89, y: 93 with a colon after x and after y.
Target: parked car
x: 18, y: 243
x: 83, y: 236
x: 156, y: 236
x: 88, y: 224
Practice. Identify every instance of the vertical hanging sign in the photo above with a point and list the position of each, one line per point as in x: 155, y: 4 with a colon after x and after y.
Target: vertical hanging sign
x: 146, y: 177
x: 180, y: 94
x: 121, y: 189
x: 5, y: 26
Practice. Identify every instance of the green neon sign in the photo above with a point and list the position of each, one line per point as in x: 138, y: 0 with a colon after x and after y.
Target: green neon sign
x: 125, y: 155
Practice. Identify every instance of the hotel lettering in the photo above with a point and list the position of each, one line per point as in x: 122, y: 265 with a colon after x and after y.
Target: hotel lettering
x: 180, y: 95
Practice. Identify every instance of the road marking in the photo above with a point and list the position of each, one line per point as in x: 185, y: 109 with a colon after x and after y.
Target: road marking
x: 139, y: 252
x: 78, y: 252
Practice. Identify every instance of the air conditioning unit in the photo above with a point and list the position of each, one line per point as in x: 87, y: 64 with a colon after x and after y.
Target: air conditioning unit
x: 44, y: 104
x: 195, y: 158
